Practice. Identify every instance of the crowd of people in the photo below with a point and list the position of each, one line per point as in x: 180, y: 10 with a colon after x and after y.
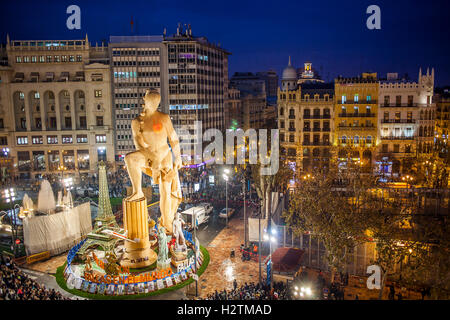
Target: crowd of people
x: 16, y: 285
x: 252, y: 291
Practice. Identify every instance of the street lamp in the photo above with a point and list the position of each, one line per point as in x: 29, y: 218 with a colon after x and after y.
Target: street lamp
x: 9, y: 195
x: 271, y: 237
x: 225, y: 177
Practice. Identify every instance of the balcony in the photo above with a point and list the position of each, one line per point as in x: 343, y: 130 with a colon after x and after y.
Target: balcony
x: 292, y: 116
x: 358, y: 102
x: 360, y: 127
x: 291, y: 129
x: 356, y: 115
x: 307, y: 129
x: 403, y: 105
x: 402, y: 137
x: 316, y: 143
x: 398, y: 121
x: 316, y: 116
x: 316, y: 129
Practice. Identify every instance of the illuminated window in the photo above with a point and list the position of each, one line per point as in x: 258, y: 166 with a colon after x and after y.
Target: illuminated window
x: 22, y: 140
x: 98, y: 93
x: 100, y: 138
x: 52, y: 139
x: 356, y: 98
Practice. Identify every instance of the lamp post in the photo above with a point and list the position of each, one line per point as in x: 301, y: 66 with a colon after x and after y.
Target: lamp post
x: 9, y: 195
x: 194, y: 225
x: 225, y: 177
x: 271, y: 237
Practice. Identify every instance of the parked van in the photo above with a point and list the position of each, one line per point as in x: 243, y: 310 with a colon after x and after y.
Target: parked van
x: 200, y: 213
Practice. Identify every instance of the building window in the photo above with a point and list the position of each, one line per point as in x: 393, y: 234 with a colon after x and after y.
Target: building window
x: 396, y: 148
x: 49, y: 58
x: 72, y: 58
x: 41, y: 59
x: 68, y: 122
x: 344, y: 98
x: 2, y: 125
x: 67, y: 139
x: 26, y: 59
x: 64, y: 58
x: 79, y: 58
x: 83, y: 123
x: 387, y: 100
x: 398, y: 100
x: 99, y: 121
x: 34, y: 59
x: 3, y: 141
x: 56, y: 59
x: 98, y: 93
x: 356, y: 98
x: 82, y: 138
x: 100, y: 138
x: 386, y: 116
x: 52, y: 139
x: 369, y: 98
x: 37, y: 140
x: 18, y: 59
x: 385, y: 148
x: 22, y: 140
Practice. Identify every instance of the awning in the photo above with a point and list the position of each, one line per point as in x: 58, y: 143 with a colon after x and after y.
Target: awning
x: 287, y: 260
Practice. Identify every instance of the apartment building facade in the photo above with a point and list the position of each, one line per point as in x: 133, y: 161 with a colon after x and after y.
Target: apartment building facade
x: 405, y: 121
x: 55, y: 106
x: 190, y: 73
x: 356, y: 117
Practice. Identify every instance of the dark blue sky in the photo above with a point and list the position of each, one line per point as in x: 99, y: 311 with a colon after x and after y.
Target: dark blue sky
x: 332, y: 34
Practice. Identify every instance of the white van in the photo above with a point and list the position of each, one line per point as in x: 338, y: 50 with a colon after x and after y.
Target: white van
x: 208, y: 207
x: 200, y: 213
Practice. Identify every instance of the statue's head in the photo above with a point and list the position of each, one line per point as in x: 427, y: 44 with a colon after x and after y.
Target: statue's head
x: 152, y: 99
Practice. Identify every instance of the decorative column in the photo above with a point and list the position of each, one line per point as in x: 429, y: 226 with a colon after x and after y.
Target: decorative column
x: 138, y: 254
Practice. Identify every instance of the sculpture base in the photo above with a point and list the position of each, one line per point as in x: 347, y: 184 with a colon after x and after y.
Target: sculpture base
x: 163, y: 265
x: 178, y: 256
x: 139, y: 258
x: 137, y: 254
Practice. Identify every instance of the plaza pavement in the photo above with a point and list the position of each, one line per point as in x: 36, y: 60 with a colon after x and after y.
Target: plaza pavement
x: 222, y: 269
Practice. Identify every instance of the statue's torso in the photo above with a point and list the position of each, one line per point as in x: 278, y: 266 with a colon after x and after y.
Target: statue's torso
x: 153, y: 131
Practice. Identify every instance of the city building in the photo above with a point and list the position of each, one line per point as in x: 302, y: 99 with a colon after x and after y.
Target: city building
x: 190, y: 72
x: 308, y: 74
x: 271, y: 79
x: 55, y: 107
x: 405, y: 121
x: 253, y: 103
x: 305, y: 120
x: 442, y: 101
x: 356, y: 117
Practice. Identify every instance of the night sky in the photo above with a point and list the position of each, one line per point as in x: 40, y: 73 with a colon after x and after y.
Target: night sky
x: 332, y: 34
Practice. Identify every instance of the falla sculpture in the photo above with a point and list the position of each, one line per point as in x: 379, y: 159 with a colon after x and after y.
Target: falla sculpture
x: 152, y: 133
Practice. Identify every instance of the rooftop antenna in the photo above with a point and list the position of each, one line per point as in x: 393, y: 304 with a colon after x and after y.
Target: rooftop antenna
x: 165, y: 32
x: 190, y: 30
x: 178, y: 29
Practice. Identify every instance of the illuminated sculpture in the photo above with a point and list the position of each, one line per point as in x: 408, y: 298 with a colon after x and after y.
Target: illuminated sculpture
x: 151, y: 130
x: 163, y: 254
x: 180, y: 243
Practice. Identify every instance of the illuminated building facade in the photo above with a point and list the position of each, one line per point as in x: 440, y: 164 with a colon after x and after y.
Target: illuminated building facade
x: 356, y: 116
x: 442, y: 101
x: 55, y: 107
x: 405, y: 121
x: 305, y: 120
x: 190, y: 72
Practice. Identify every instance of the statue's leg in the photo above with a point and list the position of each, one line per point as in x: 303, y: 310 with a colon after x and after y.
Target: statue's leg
x: 135, y: 161
x: 165, y: 205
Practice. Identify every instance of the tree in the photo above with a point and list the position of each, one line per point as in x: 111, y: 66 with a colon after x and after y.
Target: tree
x: 330, y: 204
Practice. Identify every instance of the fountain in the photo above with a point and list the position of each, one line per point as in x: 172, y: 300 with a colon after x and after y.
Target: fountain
x: 46, y: 199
